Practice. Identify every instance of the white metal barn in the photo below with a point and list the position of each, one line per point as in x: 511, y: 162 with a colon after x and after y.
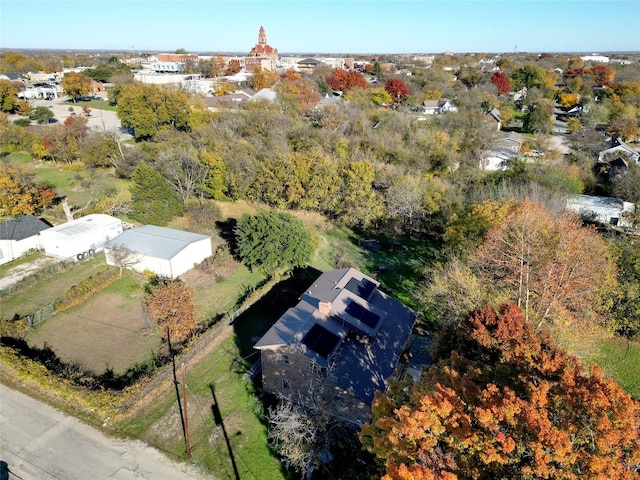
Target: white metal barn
x: 163, y: 251
x: 79, y: 238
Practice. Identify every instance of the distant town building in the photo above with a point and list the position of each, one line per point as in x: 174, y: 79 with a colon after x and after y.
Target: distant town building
x: 167, y: 67
x: 177, y: 57
x: 594, y: 57
x: 262, y: 48
x: 262, y: 55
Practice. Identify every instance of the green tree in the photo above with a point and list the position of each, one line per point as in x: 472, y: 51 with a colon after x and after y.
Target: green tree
x: 153, y: 200
x: 377, y: 71
x: 8, y: 97
x: 41, y: 115
x: 533, y: 76
x: 538, y: 121
x: 623, y: 300
x: 75, y: 85
x: 361, y: 205
x: 146, y: 109
x: 104, y: 73
x: 273, y: 241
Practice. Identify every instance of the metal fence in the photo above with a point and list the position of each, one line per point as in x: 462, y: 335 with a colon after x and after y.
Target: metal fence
x: 40, y: 315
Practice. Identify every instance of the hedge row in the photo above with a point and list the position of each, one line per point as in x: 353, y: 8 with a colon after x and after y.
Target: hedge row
x: 79, y: 293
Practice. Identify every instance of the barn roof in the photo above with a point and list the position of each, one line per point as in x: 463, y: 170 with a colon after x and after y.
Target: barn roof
x: 154, y: 241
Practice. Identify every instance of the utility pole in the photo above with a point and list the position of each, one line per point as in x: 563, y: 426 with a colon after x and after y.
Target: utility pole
x: 175, y: 384
x: 186, y: 417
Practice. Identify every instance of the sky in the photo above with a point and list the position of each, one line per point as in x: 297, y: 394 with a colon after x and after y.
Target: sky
x: 309, y: 26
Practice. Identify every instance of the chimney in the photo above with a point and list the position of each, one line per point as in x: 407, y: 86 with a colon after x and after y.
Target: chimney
x: 324, y: 307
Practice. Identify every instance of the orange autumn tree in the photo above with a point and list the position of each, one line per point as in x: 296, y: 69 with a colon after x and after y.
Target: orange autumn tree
x: 550, y: 266
x: 171, y: 305
x: 504, y: 402
x: 20, y: 194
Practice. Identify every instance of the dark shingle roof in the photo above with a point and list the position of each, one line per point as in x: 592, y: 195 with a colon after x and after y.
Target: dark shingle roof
x: 22, y: 227
x: 366, y: 352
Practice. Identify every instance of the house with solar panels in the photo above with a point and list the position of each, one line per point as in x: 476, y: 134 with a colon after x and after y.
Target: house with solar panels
x: 346, y: 334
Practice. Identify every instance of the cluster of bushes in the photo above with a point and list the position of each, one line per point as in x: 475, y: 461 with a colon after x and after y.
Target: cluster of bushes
x: 79, y: 293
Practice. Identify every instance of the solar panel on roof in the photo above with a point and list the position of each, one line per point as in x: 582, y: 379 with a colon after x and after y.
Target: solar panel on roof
x: 367, y: 317
x: 361, y: 288
x: 321, y: 340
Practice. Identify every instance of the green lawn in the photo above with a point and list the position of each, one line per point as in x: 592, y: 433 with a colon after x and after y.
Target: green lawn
x: 220, y: 297
x: 620, y: 359
x: 21, y: 158
x: 47, y: 289
x: 93, y: 104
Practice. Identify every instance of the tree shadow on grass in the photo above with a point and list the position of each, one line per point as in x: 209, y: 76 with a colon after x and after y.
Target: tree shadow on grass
x: 257, y: 319
x: 227, y: 233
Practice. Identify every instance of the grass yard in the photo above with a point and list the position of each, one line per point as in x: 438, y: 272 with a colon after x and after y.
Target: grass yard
x: 159, y: 424
x: 48, y: 289
x: 241, y: 410
x: 213, y: 299
x: 620, y: 359
x: 108, y: 331
x: 93, y: 104
x: 21, y: 158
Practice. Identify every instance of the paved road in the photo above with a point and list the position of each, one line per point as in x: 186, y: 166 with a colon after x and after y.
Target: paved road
x: 559, y: 135
x: 39, y: 442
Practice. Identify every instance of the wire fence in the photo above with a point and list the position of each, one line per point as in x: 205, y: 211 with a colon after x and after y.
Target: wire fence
x: 40, y: 315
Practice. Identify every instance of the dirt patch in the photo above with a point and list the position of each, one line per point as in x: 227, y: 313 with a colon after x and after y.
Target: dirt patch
x: 107, y: 331
x: 21, y: 271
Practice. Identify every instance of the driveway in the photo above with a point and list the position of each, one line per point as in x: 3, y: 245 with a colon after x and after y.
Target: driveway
x: 39, y: 442
x: 17, y: 273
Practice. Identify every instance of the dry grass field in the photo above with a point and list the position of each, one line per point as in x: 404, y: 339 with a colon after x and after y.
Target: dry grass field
x: 106, y: 331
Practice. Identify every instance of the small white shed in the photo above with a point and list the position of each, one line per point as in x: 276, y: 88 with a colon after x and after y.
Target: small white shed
x: 79, y: 238
x: 163, y: 251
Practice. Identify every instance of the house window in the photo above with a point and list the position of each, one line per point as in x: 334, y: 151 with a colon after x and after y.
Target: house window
x: 285, y: 360
x: 286, y: 384
x: 314, y: 368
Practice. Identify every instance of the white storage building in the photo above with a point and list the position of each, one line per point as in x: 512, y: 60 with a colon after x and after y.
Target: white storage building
x: 79, y: 238
x: 163, y: 251
x: 19, y: 235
